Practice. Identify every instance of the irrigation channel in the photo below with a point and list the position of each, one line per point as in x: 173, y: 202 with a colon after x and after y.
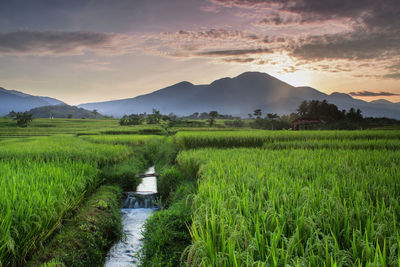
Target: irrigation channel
x: 137, y: 207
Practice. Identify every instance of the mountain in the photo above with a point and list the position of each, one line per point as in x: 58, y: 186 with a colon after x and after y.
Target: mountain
x: 64, y: 111
x: 238, y: 96
x: 18, y: 101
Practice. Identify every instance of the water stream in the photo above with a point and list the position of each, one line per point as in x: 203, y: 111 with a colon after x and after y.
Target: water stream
x: 137, y: 207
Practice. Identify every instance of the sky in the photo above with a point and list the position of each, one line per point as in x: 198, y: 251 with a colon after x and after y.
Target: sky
x: 82, y: 51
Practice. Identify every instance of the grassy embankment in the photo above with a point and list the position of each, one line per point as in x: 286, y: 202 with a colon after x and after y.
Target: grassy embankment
x: 44, y: 181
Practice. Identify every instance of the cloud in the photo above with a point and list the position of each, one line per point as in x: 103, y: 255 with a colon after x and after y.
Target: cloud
x: 61, y: 43
x: 239, y: 60
x: 371, y: 29
x: 235, y: 52
x: 395, y: 75
x: 352, y: 46
x: 369, y: 93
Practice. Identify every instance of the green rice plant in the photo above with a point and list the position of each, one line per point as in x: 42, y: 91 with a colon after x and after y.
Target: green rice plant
x: 380, y: 144
x: 189, y: 140
x: 64, y: 147
x: 257, y: 207
x: 46, y: 127
x: 34, y: 195
x: 133, y: 140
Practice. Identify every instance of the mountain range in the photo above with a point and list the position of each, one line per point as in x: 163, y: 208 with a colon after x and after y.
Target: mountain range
x: 236, y: 96
x: 18, y: 101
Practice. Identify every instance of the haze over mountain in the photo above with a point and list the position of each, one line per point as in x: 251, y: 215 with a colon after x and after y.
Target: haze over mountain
x: 18, y: 101
x: 238, y: 96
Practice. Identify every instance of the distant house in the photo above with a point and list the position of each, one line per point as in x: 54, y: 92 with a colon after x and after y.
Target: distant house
x: 306, y: 124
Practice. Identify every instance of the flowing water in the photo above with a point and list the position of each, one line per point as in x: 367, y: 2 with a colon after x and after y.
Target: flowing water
x: 137, y: 207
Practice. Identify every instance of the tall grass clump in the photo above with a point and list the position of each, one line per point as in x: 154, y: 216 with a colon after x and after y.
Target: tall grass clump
x: 378, y: 144
x: 34, y: 195
x: 228, y: 139
x: 133, y: 140
x: 257, y: 207
x: 64, y: 147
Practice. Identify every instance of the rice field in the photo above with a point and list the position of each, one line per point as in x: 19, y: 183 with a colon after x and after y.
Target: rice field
x: 323, y: 207
x: 34, y: 196
x: 222, y: 139
x: 42, y: 179
x: 49, y: 127
x: 63, y: 147
x: 264, y: 198
x: 380, y: 144
x: 123, y: 139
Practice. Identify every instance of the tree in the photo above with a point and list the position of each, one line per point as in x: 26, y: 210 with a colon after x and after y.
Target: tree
x: 23, y: 119
x: 133, y: 119
x: 354, y: 115
x: 212, y: 115
x: 322, y: 110
x: 155, y: 117
x: 12, y: 114
x: 203, y: 116
x: 272, y: 116
x: 303, y: 108
x: 257, y: 113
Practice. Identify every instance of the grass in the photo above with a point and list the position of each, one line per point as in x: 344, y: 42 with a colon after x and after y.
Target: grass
x: 42, y: 180
x: 48, y: 127
x: 85, y: 239
x: 35, y: 194
x: 222, y: 139
x: 379, y: 144
x: 294, y: 207
x: 133, y: 140
x: 63, y: 147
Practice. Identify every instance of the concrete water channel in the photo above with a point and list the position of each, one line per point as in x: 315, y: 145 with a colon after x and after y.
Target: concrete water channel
x: 137, y: 207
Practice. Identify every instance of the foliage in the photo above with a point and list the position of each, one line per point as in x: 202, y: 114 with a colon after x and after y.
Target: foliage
x: 166, y: 236
x: 374, y: 144
x: 257, y: 113
x: 154, y: 118
x: 257, y: 207
x: 133, y: 119
x: 212, y: 116
x: 124, y: 139
x: 22, y: 118
x: 34, y: 196
x: 190, y: 139
x: 238, y: 123
x: 85, y: 239
x: 316, y: 109
x: 124, y: 173
x: 64, y: 147
x: 42, y: 181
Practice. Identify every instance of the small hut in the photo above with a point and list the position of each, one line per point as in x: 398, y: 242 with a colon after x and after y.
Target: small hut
x: 306, y: 124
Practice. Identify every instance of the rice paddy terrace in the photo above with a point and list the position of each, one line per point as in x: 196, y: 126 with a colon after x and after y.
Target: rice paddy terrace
x: 227, y: 198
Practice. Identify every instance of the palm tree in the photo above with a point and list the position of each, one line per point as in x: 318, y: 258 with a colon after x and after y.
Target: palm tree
x: 212, y: 116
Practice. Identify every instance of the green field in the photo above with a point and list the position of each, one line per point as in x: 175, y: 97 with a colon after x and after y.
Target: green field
x: 231, y: 198
x: 297, y: 207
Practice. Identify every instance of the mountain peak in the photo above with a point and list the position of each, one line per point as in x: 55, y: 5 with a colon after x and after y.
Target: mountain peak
x: 183, y: 83
x: 381, y: 101
x: 341, y: 95
x: 236, y: 96
x: 254, y: 75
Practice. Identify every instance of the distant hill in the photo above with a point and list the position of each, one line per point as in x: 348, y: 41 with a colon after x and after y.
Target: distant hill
x: 238, y: 96
x: 18, y: 101
x: 64, y: 111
